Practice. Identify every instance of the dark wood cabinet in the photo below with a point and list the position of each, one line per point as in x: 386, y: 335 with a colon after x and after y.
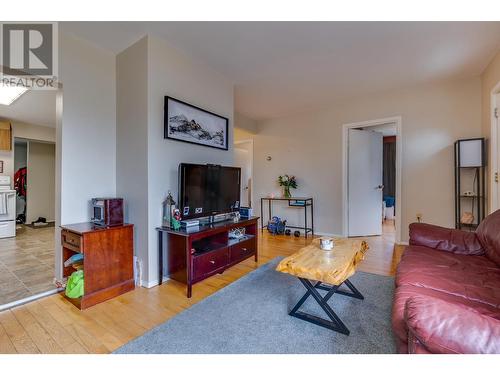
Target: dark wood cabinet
x: 193, y: 254
x: 108, y: 254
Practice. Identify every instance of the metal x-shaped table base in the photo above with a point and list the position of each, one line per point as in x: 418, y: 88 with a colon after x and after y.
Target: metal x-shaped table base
x: 335, y: 324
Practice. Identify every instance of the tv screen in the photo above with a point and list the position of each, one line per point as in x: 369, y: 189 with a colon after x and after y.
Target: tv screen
x: 206, y: 190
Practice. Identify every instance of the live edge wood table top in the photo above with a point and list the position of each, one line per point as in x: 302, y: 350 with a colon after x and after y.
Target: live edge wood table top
x: 325, y: 270
x: 331, y: 267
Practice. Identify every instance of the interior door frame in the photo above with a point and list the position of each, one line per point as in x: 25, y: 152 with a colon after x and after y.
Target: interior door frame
x: 29, y: 141
x: 249, y: 140
x: 494, y: 204
x: 397, y: 120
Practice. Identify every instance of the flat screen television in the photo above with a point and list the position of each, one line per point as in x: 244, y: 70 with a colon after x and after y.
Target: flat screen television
x: 206, y: 190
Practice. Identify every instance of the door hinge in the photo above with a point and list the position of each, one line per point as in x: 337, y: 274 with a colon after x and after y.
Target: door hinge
x: 496, y: 176
x: 496, y: 113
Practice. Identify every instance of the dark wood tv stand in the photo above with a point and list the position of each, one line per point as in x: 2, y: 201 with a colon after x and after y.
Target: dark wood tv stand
x: 194, y: 254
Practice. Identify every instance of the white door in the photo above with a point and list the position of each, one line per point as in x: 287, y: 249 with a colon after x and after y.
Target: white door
x: 243, y: 158
x: 495, y: 201
x: 365, y: 153
x: 497, y: 172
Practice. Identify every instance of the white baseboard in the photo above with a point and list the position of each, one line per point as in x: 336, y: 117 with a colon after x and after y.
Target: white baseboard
x: 153, y: 283
x: 403, y: 243
x: 327, y: 234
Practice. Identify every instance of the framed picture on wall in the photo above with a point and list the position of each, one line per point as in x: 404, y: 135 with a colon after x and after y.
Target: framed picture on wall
x: 187, y: 123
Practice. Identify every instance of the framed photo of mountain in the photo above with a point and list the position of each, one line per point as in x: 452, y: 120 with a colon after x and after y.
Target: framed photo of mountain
x: 187, y: 123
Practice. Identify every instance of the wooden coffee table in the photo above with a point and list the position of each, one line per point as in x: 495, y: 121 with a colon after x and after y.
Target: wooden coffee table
x: 325, y: 270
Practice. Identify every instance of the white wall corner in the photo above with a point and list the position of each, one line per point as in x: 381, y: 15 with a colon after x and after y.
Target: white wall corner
x: 153, y: 283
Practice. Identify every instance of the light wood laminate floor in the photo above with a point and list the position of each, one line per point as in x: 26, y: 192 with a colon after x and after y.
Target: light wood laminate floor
x: 53, y: 325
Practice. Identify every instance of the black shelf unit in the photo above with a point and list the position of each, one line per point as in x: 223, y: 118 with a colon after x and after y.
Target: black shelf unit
x: 475, y: 203
x: 303, y: 202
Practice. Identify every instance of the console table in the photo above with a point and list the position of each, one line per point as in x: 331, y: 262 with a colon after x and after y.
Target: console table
x: 292, y: 202
x: 199, y: 252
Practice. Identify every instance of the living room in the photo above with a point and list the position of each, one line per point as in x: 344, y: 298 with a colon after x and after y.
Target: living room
x: 208, y: 174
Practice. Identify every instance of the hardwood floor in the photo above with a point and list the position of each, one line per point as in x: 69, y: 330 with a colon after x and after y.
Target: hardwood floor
x: 53, y: 325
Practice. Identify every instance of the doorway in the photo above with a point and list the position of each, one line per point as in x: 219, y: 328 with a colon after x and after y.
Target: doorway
x: 34, y: 179
x: 372, y: 178
x: 243, y: 158
x: 27, y: 253
x: 27, y: 261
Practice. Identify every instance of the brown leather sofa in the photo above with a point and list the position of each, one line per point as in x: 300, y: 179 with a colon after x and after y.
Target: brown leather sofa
x: 447, y: 297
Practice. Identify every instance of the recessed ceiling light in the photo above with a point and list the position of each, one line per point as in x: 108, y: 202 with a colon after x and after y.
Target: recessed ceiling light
x: 8, y: 94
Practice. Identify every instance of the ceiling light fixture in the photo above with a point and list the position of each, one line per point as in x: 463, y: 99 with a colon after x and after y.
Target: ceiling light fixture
x: 9, y: 94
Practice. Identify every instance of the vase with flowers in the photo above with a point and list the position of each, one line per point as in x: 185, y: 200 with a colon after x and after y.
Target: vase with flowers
x: 287, y: 182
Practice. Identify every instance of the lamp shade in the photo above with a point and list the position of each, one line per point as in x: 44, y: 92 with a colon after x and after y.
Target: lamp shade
x: 471, y: 152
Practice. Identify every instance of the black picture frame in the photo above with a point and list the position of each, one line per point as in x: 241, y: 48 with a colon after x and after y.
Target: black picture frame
x: 166, y: 125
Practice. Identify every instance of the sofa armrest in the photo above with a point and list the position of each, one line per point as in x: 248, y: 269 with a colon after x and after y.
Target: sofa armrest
x: 439, y: 238
x: 443, y: 327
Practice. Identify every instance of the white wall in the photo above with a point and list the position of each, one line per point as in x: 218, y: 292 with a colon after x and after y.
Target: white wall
x: 309, y: 145
x: 147, y: 164
x: 245, y: 123
x: 85, y: 131
x: 41, y: 181
x: 88, y: 134
x: 132, y: 141
x: 174, y: 74
x: 243, y: 158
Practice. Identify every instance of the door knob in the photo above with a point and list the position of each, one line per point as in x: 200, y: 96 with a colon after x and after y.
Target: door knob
x: 380, y: 187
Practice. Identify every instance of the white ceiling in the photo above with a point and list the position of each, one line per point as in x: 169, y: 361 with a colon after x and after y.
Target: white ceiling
x: 33, y: 107
x: 280, y: 68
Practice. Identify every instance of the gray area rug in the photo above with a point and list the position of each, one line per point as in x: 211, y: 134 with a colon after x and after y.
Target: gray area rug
x: 251, y: 316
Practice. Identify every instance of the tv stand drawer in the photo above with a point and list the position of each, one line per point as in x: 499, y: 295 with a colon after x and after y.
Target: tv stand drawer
x: 209, y: 263
x: 71, y: 241
x: 242, y: 250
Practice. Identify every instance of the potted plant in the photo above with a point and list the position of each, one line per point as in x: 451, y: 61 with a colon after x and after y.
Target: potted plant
x: 287, y: 182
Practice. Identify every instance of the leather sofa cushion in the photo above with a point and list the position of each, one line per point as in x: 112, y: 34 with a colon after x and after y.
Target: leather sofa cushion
x: 473, y: 278
x: 439, y: 238
x: 488, y: 234
x: 404, y: 292
x: 448, y: 328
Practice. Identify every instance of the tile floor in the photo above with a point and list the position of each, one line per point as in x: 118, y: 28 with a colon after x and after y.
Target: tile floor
x: 26, y: 263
